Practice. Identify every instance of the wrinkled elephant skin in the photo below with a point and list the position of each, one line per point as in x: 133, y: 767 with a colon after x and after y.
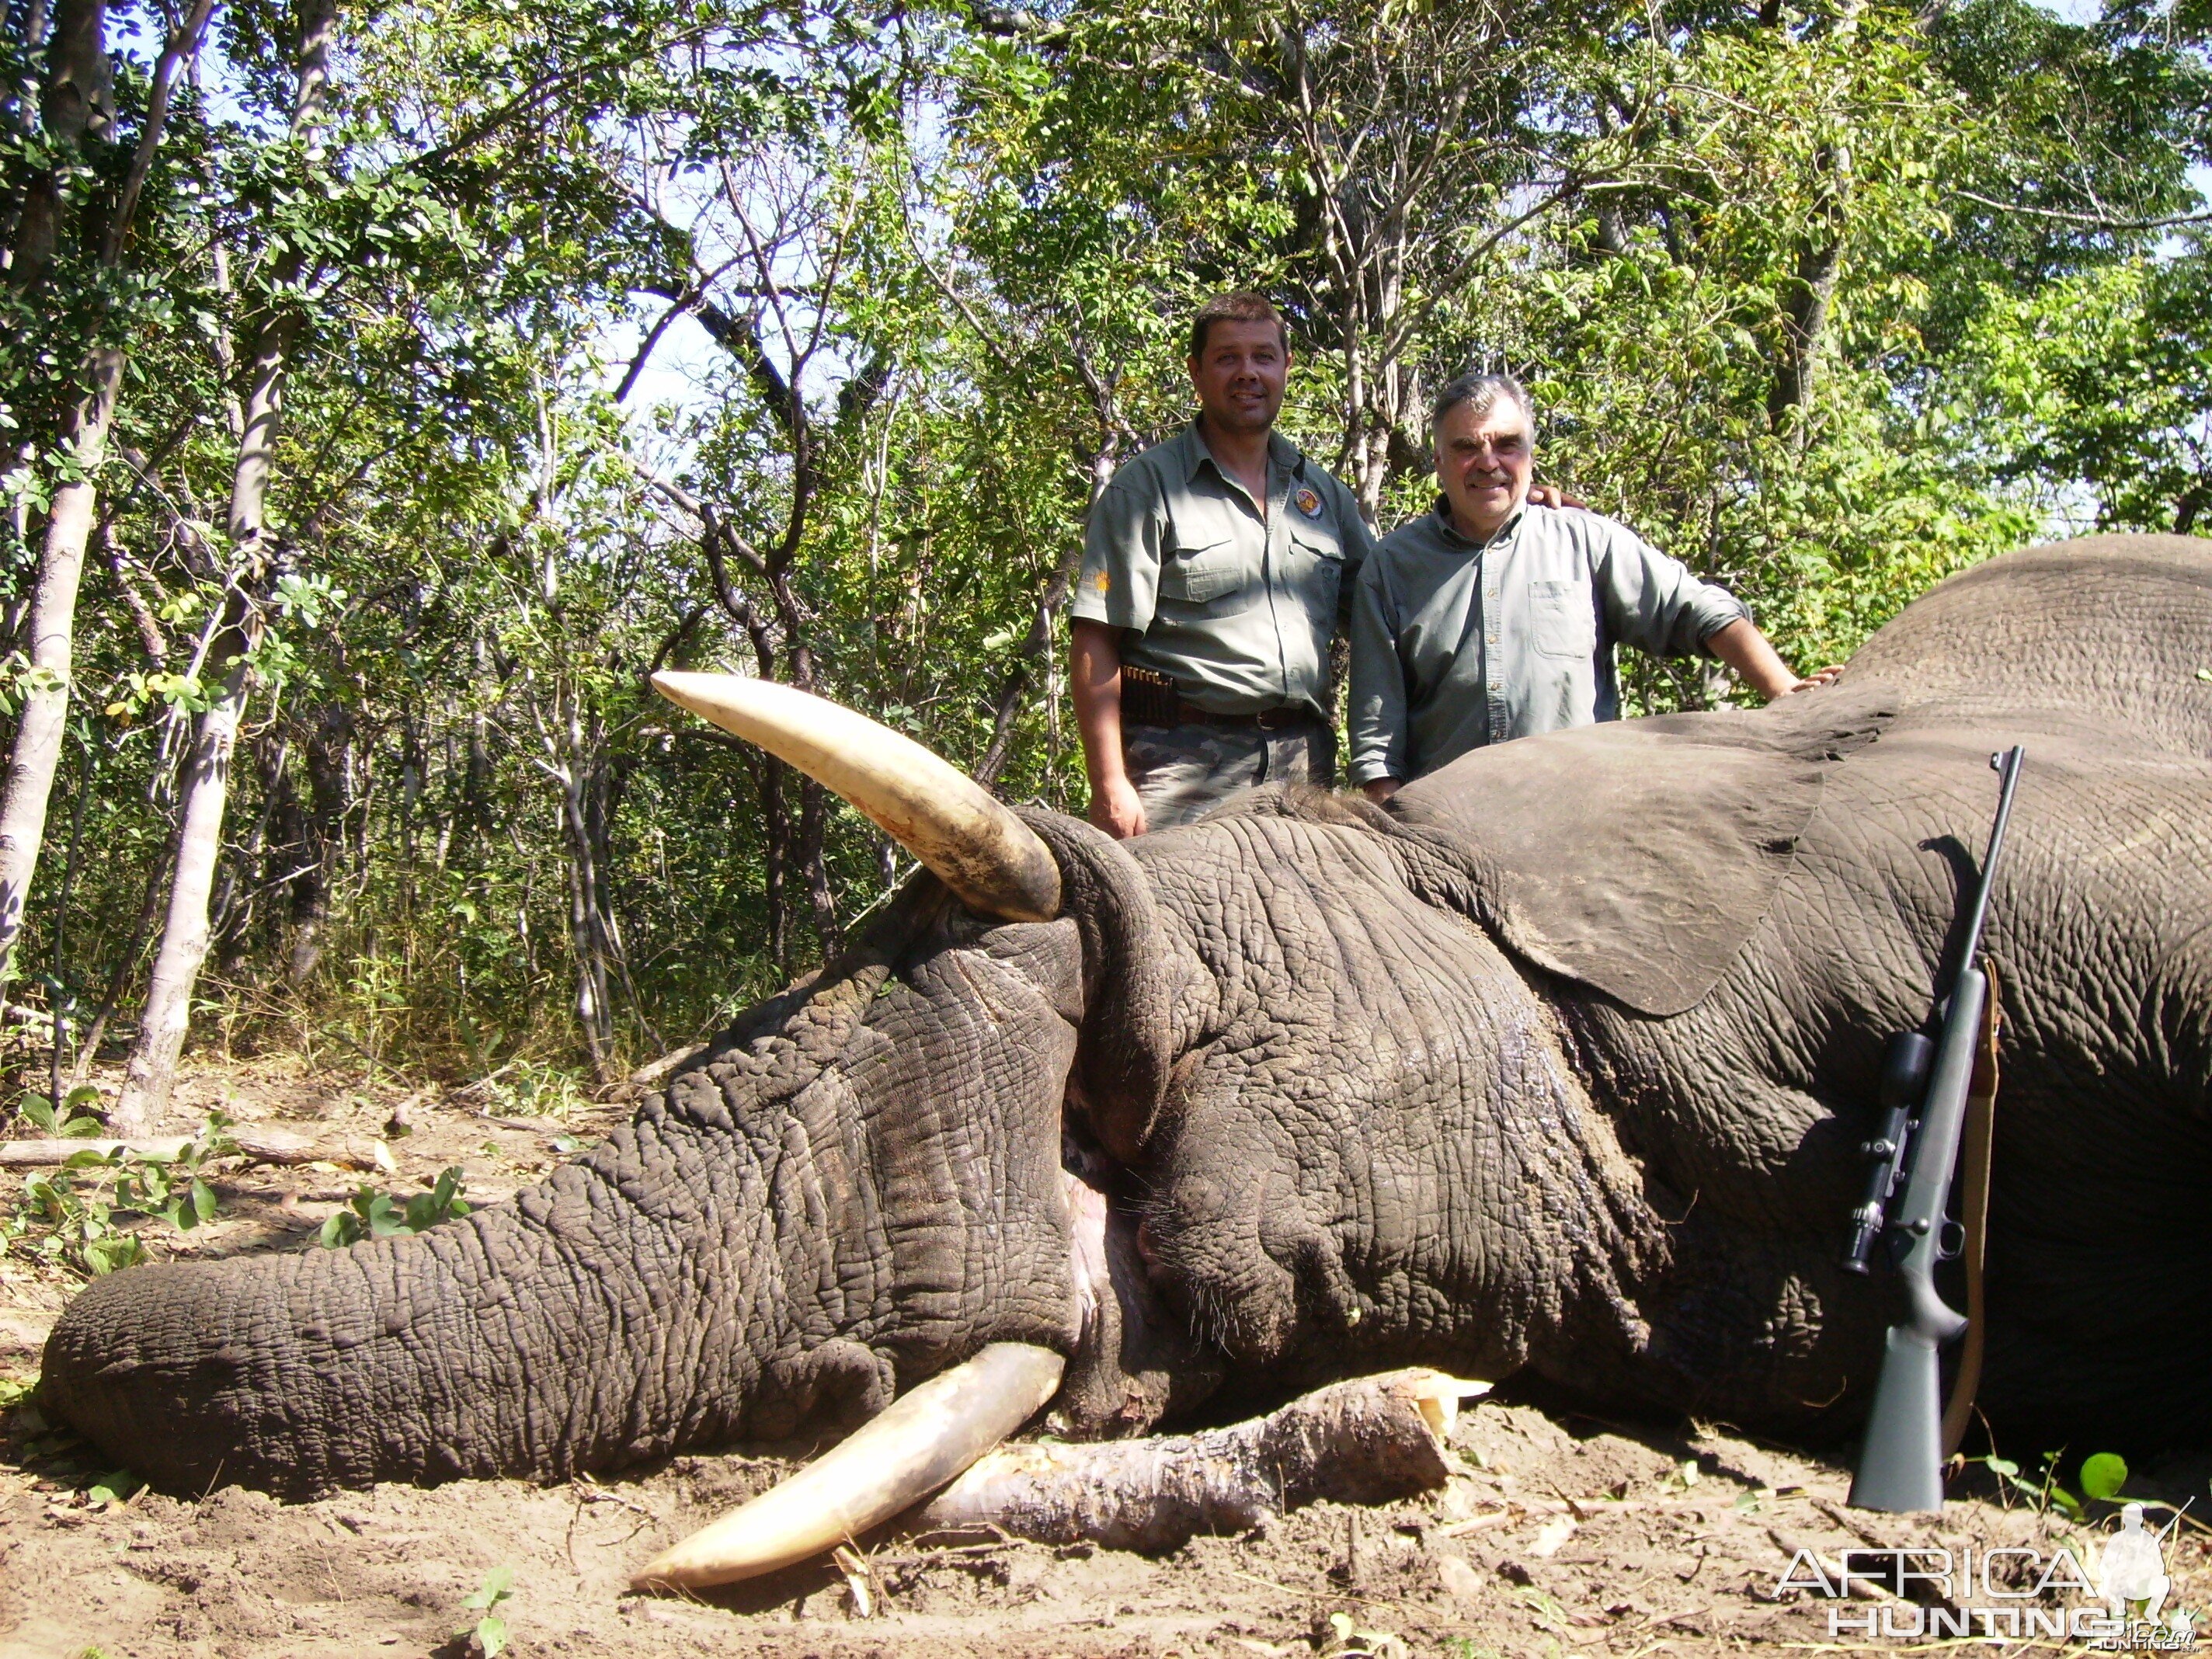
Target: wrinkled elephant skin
x: 1561, y: 1063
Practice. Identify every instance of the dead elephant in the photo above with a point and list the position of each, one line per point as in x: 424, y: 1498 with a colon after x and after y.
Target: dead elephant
x: 1562, y: 1064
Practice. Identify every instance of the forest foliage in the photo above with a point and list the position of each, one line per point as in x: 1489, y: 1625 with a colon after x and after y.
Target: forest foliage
x: 796, y: 338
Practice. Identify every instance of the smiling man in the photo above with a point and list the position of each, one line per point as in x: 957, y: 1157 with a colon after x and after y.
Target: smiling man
x: 1492, y: 617
x: 1214, y: 569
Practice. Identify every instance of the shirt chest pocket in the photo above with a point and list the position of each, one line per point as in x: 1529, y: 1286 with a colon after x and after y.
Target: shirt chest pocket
x: 1562, y: 620
x: 1318, y: 563
x: 1201, y: 573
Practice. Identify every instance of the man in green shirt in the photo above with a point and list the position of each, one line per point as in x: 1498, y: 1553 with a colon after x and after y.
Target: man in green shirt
x: 1492, y: 617
x: 1214, y: 569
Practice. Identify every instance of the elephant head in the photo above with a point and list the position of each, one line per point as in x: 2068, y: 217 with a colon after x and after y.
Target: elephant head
x: 861, y: 1185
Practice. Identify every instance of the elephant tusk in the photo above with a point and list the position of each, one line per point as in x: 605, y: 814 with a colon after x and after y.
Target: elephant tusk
x: 927, y: 1437
x: 968, y: 840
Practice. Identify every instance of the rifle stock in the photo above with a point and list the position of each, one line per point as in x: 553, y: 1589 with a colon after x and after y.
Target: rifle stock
x: 1900, y: 1466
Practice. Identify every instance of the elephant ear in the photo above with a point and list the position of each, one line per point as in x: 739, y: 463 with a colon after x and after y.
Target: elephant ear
x: 1637, y: 857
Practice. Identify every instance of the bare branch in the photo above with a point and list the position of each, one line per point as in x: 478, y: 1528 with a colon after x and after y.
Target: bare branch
x: 2094, y: 220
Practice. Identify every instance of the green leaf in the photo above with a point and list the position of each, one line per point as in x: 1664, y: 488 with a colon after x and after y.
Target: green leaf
x: 491, y: 1634
x: 83, y: 1129
x: 120, y: 1487
x: 113, y: 1253
x: 2102, y: 1476
x: 492, y: 1590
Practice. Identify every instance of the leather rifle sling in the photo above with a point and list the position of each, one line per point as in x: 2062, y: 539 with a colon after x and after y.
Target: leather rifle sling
x: 1974, y: 1215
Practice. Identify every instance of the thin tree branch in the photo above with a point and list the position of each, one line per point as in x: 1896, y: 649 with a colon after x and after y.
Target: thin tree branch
x: 2095, y: 220
x: 180, y: 46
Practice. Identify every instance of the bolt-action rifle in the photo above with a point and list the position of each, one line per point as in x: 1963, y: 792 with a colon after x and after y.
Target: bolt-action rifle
x: 1916, y: 1149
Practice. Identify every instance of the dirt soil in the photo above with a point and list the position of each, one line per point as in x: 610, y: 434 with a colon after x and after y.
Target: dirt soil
x: 1558, y: 1534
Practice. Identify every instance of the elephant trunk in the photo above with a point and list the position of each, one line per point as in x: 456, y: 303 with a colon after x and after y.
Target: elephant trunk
x: 582, y: 1327
x: 825, y: 1211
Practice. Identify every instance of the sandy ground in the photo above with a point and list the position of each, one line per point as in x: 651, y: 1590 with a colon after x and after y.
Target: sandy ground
x: 1558, y: 1534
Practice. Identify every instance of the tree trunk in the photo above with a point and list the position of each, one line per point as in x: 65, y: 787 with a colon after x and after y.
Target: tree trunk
x: 586, y: 932
x: 322, y: 832
x: 36, y: 754
x: 151, y: 1072
x: 77, y: 100
x: 2187, y: 511
x: 1813, y: 288
x: 1804, y: 319
x: 813, y: 826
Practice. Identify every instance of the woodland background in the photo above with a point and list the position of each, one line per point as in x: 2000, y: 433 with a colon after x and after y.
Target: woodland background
x: 385, y: 390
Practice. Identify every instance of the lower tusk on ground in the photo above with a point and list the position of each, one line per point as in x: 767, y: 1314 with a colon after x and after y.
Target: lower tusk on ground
x: 1368, y: 1441
x: 925, y: 1438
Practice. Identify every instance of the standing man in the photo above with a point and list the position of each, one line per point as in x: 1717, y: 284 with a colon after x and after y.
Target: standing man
x: 1213, y: 570
x: 1492, y: 618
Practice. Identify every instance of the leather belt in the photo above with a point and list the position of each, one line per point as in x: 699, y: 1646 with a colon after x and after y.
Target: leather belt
x: 1284, y: 718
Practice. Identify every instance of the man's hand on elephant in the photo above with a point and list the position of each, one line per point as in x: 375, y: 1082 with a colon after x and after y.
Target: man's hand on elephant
x: 1812, y: 681
x: 1379, y: 790
x: 1744, y: 648
x: 1552, y: 496
x: 1115, y: 808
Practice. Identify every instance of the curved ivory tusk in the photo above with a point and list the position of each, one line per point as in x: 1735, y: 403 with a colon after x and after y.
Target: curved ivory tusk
x: 925, y: 1438
x: 967, y: 838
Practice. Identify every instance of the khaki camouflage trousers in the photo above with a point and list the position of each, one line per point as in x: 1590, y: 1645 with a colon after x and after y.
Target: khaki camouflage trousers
x: 1182, y: 771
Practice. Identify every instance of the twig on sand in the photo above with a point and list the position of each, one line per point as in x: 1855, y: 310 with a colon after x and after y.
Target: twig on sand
x: 256, y: 1145
x: 588, y: 1490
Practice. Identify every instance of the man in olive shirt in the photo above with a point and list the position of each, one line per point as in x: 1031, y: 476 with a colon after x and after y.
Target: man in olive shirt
x: 1491, y: 618
x: 1214, y: 567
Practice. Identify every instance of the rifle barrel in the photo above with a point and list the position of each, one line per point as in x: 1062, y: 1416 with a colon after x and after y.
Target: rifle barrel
x: 2007, y: 766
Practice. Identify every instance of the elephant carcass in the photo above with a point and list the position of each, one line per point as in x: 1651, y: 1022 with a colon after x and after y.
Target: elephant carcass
x: 1560, y: 1065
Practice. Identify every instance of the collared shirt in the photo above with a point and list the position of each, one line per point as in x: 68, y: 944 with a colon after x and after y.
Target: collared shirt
x: 1456, y: 645
x: 1236, y: 607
